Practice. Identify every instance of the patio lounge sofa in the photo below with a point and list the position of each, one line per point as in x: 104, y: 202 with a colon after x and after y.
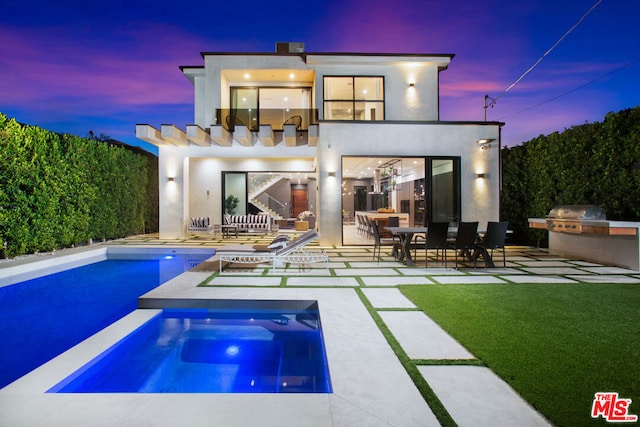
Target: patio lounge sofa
x: 249, y: 222
x: 293, y: 253
x: 200, y: 224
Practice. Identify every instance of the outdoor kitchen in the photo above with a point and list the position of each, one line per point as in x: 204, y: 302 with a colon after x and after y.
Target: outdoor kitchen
x: 583, y: 232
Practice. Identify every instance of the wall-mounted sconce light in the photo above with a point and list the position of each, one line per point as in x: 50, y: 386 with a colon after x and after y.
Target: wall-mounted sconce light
x: 481, y: 175
x: 412, y: 84
x: 485, y: 143
x: 332, y: 174
x: 171, y: 178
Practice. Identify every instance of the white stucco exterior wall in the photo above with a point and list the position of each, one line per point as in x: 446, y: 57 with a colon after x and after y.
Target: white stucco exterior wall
x: 480, y: 197
x: 402, y: 102
x: 173, y: 194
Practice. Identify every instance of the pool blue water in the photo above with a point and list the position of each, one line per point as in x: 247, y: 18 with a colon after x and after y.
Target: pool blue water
x: 205, y: 351
x: 43, y: 317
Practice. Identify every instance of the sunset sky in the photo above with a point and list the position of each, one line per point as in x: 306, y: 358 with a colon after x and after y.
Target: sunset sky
x: 73, y: 66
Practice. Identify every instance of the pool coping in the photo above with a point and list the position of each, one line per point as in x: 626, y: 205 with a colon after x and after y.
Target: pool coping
x: 52, y: 262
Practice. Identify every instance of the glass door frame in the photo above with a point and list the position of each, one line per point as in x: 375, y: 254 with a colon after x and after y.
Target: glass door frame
x: 457, y: 189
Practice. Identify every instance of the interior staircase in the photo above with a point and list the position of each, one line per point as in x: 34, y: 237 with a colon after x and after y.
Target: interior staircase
x: 255, y: 193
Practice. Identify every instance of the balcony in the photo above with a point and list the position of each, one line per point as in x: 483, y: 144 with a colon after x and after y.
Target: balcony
x: 302, y: 118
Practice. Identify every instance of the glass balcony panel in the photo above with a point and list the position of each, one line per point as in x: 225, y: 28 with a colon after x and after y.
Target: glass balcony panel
x: 275, y: 117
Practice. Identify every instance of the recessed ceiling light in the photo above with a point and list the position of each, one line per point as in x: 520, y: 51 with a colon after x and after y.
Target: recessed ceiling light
x: 246, y: 75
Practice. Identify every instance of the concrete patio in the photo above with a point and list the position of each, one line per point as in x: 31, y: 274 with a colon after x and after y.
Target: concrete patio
x: 370, y: 385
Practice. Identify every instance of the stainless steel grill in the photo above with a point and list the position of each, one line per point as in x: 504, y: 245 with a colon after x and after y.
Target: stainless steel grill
x: 577, y: 219
x: 583, y: 232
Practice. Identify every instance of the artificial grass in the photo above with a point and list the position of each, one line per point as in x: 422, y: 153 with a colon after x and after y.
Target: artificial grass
x: 555, y: 344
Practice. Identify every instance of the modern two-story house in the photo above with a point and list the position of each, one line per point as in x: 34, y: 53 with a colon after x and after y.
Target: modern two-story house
x: 335, y: 134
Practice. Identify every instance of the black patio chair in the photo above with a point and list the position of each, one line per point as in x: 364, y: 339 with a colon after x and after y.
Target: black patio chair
x: 379, y: 241
x: 494, y: 238
x: 394, y: 221
x: 436, y: 239
x: 465, y: 241
x: 293, y: 120
x: 232, y: 122
x: 359, y: 226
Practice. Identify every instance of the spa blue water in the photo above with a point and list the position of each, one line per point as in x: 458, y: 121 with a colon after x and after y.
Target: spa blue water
x: 201, y: 351
x: 43, y: 317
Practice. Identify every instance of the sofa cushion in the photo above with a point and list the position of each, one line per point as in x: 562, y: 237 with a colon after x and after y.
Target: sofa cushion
x: 248, y: 221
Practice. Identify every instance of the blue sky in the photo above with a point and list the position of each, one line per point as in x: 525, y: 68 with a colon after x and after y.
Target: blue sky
x: 105, y: 66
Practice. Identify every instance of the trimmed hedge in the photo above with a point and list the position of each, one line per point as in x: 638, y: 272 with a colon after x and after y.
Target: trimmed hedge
x: 597, y: 163
x: 59, y: 190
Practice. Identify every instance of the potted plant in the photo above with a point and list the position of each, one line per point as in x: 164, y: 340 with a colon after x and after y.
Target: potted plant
x: 302, y: 224
x: 230, y: 205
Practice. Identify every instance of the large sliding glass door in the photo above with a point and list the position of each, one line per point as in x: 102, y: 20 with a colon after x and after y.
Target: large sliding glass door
x: 443, y: 194
x: 234, y: 193
x: 418, y: 190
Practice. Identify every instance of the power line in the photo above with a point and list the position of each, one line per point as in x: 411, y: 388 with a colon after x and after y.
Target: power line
x: 628, y: 64
x: 493, y: 100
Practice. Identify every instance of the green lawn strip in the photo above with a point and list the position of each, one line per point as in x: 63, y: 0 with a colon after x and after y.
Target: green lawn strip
x: 555, y: 344
x: 410, y: 366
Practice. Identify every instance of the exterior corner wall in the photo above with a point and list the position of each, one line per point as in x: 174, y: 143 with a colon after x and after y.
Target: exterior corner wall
x: 329, y: 205
x: 199, y: 111
x: 173, y: 194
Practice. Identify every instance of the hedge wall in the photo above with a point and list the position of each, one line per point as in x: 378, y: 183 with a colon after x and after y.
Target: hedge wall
x: 597, y: 163
x: 58, y: 190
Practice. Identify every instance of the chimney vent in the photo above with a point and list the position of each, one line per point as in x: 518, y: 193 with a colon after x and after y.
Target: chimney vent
x: 289, y: 47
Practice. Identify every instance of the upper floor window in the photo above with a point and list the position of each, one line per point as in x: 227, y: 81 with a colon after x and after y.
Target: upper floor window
x: 353, y: 98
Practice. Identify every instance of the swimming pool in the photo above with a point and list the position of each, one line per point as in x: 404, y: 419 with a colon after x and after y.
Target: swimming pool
x: 45, y: 316
x: 235, y: 347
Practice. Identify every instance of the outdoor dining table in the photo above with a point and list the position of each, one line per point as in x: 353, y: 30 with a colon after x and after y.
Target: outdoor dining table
x: 405, y: 235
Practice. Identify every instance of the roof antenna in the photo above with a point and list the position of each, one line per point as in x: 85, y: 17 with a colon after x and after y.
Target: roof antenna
x: 489, y: 102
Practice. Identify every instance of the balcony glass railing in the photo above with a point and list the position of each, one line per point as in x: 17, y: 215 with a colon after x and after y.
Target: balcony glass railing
x: 276, y: 117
